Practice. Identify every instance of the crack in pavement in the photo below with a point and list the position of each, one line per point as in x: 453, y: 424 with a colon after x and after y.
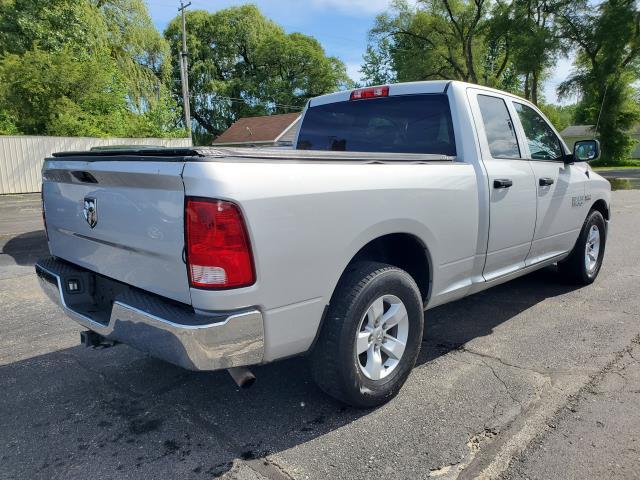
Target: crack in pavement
x: 535, y: 421
x: 535, y: 409
x: 264, y: 465
x: 504, y: 384
x: 453, y: 470
x: 549, y: 374
x: 268, y: 467
x: 545, y: 373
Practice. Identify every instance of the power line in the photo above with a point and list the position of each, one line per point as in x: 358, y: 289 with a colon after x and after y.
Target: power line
x: 263, y: 103
x: 250, y: 101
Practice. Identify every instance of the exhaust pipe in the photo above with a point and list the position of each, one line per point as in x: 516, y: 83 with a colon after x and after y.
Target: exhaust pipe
x: 242, y: 376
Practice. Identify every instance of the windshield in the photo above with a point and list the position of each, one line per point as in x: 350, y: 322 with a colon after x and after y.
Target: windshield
x: 400, y: 124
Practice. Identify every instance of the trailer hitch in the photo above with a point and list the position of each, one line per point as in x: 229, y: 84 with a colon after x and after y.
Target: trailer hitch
x: 92, y: 339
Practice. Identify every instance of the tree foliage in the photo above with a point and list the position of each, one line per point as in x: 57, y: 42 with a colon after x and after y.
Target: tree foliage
x: 377, y: 67
x: 448, y: 39
x: 509, y: 45
x: 84, y: 67
x: 561, y: 116
x: 243, y: 64
x: 532, y: 38
x: 607, y: 64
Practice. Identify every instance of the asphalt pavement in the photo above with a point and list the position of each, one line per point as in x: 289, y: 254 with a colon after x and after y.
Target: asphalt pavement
x: 533, y: 379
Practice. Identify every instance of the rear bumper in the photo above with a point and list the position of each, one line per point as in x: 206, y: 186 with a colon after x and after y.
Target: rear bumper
x: 152, y: 324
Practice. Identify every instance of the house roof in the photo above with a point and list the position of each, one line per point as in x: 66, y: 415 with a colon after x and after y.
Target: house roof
x: 268, y: 128
x: 578, y: 131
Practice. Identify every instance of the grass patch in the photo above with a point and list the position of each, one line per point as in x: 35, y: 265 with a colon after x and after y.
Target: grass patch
x: 627, y: 163
x: 622, y: 167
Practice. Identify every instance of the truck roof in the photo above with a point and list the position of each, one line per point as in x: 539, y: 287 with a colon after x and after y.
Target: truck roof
x: 407, y: 88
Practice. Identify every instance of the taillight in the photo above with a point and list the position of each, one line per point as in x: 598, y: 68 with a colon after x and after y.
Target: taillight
x: 44, y: 214
x: 218, y: 250
x: 371, y: 92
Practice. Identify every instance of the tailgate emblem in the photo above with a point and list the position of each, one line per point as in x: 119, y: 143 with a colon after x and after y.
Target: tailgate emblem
x: 90, y: 211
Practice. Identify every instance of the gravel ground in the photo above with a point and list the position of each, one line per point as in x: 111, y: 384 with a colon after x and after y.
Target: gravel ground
x: 531, y: 379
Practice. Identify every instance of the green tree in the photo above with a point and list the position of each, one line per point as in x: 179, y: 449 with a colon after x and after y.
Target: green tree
x: 51, y: 93
x: 439, y: 39
x: 530, y: 35
x: 561, y: 116
x: 142, y: 53
x: 243, y: 64
x: 7, y: 124
x: 607, y: 39
x: 84, y: 67
x: 505, y: 44
x: 377, y: 67
x: 52, y: 26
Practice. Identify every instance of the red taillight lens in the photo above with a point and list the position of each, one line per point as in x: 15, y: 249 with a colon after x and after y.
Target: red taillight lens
x: 218, y: 251
x: 371, y: 92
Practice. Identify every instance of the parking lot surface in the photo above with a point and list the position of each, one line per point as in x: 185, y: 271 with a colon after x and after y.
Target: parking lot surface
x: 531, y: 379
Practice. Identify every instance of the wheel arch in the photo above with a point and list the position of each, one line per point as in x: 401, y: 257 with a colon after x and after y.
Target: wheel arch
x: 381, y: 248
x: 601, y: 206
x: 403, y: 250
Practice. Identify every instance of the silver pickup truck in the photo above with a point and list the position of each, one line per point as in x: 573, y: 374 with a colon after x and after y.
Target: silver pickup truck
x: 396, y: 199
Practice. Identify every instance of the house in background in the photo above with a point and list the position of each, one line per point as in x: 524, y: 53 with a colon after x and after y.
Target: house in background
x: 584, y: 132
x: 266, y: 131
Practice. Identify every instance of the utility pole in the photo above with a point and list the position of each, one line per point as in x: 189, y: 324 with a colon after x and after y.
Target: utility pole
x: 184, y: 68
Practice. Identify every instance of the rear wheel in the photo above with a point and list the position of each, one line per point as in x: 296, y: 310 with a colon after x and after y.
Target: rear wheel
x: 371, y: 335
x: 583, y: 264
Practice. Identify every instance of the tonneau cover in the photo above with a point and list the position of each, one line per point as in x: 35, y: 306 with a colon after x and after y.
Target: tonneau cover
x: 263, y: 153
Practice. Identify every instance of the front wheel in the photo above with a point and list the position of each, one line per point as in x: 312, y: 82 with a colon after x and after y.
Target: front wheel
x: 371, y: 335
x: 583, y: 264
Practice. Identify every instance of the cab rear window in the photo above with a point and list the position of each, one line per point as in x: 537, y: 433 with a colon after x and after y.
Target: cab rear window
x: 396, y: 124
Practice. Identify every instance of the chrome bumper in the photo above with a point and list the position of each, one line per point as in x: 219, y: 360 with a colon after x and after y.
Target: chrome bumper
x: 149, y: 323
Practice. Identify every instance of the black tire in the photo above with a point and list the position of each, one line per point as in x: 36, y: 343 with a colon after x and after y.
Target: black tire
x: 335, y: 366
x: 574, y: 267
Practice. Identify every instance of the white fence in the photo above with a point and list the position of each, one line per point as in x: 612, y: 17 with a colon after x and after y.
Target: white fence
x: 21, y: 157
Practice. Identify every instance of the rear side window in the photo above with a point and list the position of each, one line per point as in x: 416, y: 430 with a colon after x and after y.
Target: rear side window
x: 501, y: 135
x: 397, y: 124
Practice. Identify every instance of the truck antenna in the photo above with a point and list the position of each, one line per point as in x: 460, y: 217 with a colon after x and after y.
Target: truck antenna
x: 595, y: 133
x: 184, y: 69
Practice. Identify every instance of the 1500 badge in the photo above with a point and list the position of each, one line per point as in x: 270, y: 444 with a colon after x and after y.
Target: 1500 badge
x: 579, y: 200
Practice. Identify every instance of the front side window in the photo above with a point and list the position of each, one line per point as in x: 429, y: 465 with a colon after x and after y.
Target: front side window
x: 542, y: 140
x: 498, y: 126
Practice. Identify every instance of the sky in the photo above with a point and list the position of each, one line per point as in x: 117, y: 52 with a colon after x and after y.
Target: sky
x: 341, y: 26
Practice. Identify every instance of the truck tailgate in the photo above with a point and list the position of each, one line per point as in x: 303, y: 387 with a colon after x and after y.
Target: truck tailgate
x: 135, y: 233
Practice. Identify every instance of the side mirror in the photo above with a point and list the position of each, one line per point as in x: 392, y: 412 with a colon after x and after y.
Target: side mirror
x: 586, y: 150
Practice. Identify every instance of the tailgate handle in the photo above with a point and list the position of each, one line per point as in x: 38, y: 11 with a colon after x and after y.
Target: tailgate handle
x: 84, y: 177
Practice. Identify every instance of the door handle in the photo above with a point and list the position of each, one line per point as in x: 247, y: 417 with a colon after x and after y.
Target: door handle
x: 545, y: 181
x: 502, y: 183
